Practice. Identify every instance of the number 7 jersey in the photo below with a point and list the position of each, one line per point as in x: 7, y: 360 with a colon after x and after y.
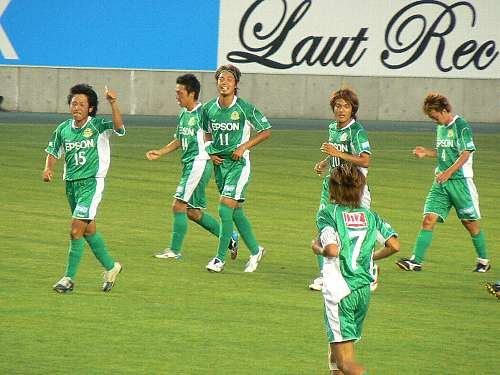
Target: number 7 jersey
x: 86, y: 150
x: 355, y: 232
x: 231, y: 126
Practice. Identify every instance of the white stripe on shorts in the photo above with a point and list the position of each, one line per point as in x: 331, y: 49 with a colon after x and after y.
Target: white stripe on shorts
x: 243, y: 180
x: 96, y: 199
x: 194, y: 179
x: 332, y: 315
x: 474, y: 196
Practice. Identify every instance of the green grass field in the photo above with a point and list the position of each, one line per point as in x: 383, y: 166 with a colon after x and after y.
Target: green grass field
x: 167, y: 317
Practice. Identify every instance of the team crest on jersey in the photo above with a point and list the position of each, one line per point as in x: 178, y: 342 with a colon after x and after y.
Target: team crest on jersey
x: 343, y: 137
x: 192, y: 121
x: 450, y: 133
x: 355, y: 219
x: 87, y: 133
x: 235, y: 116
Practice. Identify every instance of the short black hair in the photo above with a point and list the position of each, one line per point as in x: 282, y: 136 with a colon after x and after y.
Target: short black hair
x: 88, y: 91
x: 191, y: 84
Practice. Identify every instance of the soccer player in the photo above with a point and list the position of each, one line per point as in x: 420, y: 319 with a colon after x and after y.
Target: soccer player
x: 452, y: 186
x: 227, y: 122
x: 348, y: 235
x: 494, y: 289
x: 83, y: 142
x: 347, y: 142
x: 189, y: 198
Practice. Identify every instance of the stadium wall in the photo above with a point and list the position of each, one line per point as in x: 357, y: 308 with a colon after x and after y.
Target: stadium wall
x: 293, y: 54
x: 32, y: 89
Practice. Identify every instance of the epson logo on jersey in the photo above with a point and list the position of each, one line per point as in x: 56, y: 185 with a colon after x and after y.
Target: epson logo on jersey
x: 225, y: 126
x: 187, y: 131
x: 445, y: 143
x: 87, y: 143
x: 341, y: 147
x: 355, y: 219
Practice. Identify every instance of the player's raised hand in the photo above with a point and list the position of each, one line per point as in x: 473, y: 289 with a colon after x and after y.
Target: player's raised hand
x: 47, y: 175
x: 420, y: 152
x: 111, y: 96
x: 320, y: 167
x: 153, y: 154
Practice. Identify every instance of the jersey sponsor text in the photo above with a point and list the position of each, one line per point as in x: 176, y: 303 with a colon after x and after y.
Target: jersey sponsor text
x: 225, y: 126
x: 354, y: 219
x: 86, y: 143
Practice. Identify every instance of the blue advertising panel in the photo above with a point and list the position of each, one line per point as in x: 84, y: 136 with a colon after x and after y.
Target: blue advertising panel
x: 152, y: 34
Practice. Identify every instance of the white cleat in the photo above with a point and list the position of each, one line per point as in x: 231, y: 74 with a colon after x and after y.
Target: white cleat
x: 317, y: 284
x: 110, y: 277
x: 254, y: 260
x: 215, y: 265
x: 168, y: 254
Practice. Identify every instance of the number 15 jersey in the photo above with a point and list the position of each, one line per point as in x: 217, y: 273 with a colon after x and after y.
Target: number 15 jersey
x: 86, y: 150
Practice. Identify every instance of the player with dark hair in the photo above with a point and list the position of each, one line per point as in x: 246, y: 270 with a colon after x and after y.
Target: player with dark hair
x: 83, y: 142
x: 347, y: 142
x: 348, y: 235
x: 189, y: 197
x: 227, y: 122
x: 453, y: 185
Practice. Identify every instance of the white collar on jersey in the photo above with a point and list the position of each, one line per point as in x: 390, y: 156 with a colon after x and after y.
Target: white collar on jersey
x: 81, y: 127
x: 194, y: 109
x: 345, y: 127
x: 452, y: 121
x: 233, y: 103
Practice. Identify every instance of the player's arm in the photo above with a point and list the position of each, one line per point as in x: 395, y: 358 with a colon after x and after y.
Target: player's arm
x: 48, y: 173
x: 422, y: 152
x: 444, y: 176
x: 362, y: 160
x: 112, y: 98
x: 330, y: 250
x: 391, y: 247
x: 321, y: 166
x: 260, y: 137
x: 155, y: 154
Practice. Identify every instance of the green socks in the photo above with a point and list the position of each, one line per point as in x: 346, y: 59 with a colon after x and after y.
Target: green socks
x: 245, y: 229
x: 208, y: 222
x: 226, y: 230
x: 424, y: 240
x: 179, y: 229
x: 480, y: 245
x: 100, y: 250
x: 74, y: 256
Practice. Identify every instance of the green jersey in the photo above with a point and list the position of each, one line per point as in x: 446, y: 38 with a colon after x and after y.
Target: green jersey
x: 230, y: 127
x: 190, y: 135
x: 355, y: 233
x: 351, y: 139
x: 86, y: 150
x: 451, y: 141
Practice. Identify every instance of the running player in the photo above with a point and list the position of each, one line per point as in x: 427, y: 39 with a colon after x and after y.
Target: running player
x: 347, y: 142
x: 227, y: 122
x: 347, y: 237
x: 189, y: 198
x: 83, y: 142
x: 452, y: 186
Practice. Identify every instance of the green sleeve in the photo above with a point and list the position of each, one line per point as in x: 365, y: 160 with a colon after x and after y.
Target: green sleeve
x: 257, y: 119
x: 55, y: 144
x: 464, y: 137
x: 361, y: 143
x: 204, y: 119
x: 384, y: 228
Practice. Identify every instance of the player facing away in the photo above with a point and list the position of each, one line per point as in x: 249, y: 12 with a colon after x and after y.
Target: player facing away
x: 347, y: 142
x: 227, y: 122
x: 452, y: 186
x: 189, y: 197
x: 348, y: 235
x: 83, y: 142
